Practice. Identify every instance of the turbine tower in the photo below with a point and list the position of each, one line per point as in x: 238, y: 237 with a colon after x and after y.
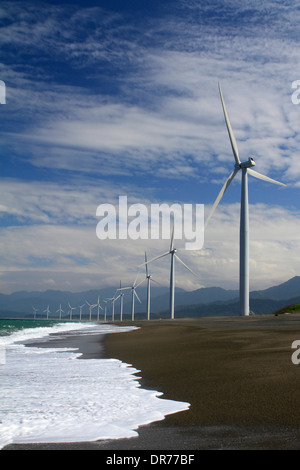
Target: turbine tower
x: 246, y: 168
x: 60, y: 310
x: 172, y: 252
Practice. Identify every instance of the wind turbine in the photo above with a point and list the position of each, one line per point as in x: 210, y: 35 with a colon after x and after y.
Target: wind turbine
x: 246, y: 168
x: 71, y: 310
x: 113, y: 299
x: 133, y: 294
x: 60, y: 310
x: 47, y: 310
x: 80, y: 310
x: 34, y: 312
x: 149, y: 279
x: 121, y: 303
x: 171, y: 252
x: 105, y: 308
x: 99, y: 307
x: 91, y: 308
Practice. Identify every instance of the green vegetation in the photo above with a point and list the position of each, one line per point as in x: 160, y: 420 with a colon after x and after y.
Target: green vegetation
x: 295, y: 308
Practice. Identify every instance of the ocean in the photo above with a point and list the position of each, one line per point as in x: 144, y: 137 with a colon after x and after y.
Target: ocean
x: 51, y: 395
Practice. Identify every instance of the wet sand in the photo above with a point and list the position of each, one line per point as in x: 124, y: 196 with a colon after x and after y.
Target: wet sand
x: 236, y: 373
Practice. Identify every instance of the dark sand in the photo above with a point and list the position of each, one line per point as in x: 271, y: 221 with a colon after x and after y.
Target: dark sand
x: 236, y: 373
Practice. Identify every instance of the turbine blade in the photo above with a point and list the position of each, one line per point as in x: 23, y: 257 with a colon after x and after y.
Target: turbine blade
x: 146, y: 264
x: 137, y: 297
x: 172, y: 239
x: 263, y: 177
x: 180, y: 261
x: 220, y: 195
x: 230, y: 131
x: 157, y: 257
x: 135, y: 280
x: 140, y: 282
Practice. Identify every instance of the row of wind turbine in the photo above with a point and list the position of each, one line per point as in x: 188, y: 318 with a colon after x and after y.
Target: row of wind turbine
x: 246, y: 168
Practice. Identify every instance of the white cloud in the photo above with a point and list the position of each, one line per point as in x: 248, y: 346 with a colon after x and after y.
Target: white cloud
x: 165, y: 119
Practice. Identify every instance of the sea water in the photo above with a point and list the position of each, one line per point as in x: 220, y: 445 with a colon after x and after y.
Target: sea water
x: 51, y: 395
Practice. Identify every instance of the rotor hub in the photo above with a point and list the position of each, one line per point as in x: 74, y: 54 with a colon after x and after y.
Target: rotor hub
x: 247, y: 164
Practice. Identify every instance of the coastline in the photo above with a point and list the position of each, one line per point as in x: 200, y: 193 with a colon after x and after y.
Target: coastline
x: 236, y: 373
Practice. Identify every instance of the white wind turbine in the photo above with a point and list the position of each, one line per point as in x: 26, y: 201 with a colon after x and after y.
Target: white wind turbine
x: 105, y: 308
x: 80, y: 310
x: 60, y: 310
x: 47, y: 310
x: 149, y: 279
x: 171, y: 252
x: 71, y: 310
x: 98, y: 308
x: 34, y: 312
x: 91, y: 308
x: 244, y: 214
x: 113, y: 299
x: 133, y: 294
x: 121, y: 302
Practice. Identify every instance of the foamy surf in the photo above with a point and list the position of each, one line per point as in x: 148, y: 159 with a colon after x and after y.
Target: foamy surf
x: 50, y: 395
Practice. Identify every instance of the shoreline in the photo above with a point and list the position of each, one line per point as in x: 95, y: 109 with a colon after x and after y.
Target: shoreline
x: 235, y: 372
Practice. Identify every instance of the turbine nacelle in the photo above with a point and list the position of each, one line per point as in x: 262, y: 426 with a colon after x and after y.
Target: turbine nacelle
x: 248, y: 164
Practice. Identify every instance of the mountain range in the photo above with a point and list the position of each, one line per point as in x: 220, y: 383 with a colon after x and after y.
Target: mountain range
x: 207, y: 301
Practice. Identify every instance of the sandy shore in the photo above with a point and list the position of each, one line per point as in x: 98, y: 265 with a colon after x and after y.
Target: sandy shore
x: 236, y: 373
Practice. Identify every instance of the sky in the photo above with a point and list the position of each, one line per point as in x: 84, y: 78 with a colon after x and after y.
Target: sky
x: 120, y: 98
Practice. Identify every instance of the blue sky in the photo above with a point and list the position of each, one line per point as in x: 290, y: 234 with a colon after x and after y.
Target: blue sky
x: 109, y: 98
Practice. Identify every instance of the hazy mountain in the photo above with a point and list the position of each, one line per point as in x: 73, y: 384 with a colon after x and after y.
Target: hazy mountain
x: 204, y: 301
x: 286, y: 290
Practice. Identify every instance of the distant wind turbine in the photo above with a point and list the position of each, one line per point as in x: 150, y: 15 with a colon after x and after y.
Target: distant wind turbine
x: 244, y: 214
x: 91, y: 308
x: 34, y: 312
x: 113, y: 299
x: 60, y: 310
x: 149, y: 279
x: 71, y: 310
x: 105, y: 308
x: 121, y: 303
x: 171, y: 252
x: 99, y: 307
x: 80, y: 310
x: 47, y: 310
x: 133, y: 294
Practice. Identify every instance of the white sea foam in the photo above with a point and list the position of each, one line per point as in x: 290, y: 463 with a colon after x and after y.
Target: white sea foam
x: 51, y: 395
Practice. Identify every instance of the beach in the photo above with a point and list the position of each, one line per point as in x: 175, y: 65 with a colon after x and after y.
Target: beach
x: 236, y: 373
